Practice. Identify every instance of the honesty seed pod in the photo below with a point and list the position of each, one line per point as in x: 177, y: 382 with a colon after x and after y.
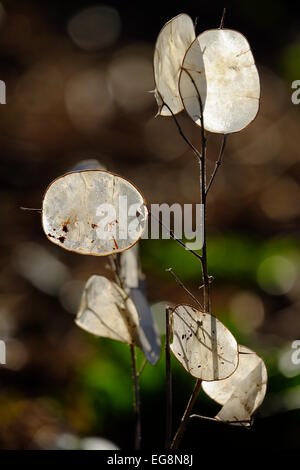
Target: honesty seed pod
x: 133, y: 282
x: 107, y: 311
x: 219, y: 69
x: 93, y: 212
x: 171, y: 45
x: 241, y: 393
x: 202, y: 344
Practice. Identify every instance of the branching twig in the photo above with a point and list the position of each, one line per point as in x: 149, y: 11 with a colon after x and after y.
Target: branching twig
x: 210, y: 278
x: 186, y: 415
x: 114, y: 269
x: 243, y: 422
x: 170, y: 270
x: 188, y: 142
x: 173, y: 236
x: 218, y: 163
x: 222, y: 19
x: 144, y: 363
x: 205, y: 276
x: 30, y: 209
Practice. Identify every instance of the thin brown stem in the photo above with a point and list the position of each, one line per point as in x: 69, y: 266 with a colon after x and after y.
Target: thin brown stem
x: 168, y: 382
x: 194, y: 253
x: 114, y: 269
x: 187, y: 141
x: 142, y: 367
x: 245, y: 422
x: 185, y: 418
x: 137, y: 405
x: 210, y: 278
x: 205, y: 277
x: 202, y: 177
x: 31, y: 209
x: 218, y: 162
x: 222, y: 19
x: 204, y: 418
x: 115, y: 265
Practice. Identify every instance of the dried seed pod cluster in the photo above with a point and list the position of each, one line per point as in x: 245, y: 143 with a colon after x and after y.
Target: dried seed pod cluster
x: 231, y: 374
x: 216, y: 71
x: 214, y: 78
x: 241, y: 393
x: 71, y: 209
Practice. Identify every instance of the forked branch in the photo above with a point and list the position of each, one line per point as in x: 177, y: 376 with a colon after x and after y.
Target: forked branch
x: 218, y: 163
x: 205, y: 277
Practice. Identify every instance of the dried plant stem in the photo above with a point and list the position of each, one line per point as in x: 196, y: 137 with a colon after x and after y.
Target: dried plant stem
x: 222, y: 19
x: 168, y: 382
x: 245, y: 422
x: 144, y: 363
x: 205, y: 277
x: 170, y: 270
x: 186, y: 415
x: 187, y: 141
x: 218, y: 163
x: 115, y: 265
x: 203, y: 193
x: 31, y: 209
x: 137, y: 403
x: 194, y: 253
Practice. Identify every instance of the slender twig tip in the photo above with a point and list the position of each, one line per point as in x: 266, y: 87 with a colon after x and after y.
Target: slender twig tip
x: 222, y: 19
x: 31, y: 209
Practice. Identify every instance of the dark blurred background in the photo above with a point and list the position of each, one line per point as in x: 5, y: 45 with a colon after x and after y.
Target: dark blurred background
x: 76, y: 80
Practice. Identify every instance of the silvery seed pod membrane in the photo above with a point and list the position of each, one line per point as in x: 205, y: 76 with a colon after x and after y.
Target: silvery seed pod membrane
x: 202, y: 344
x: 106, y: 311
x: 133, y: 283
x: 219, y: 67
x: 171, y: 45
x: 74, y: 206
x: 243, y: 392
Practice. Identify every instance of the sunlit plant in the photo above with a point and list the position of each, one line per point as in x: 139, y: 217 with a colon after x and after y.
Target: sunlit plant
x: 213, y: 78
x: 117, y: 310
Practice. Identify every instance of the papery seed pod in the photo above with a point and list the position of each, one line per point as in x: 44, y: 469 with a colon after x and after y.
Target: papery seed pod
x: 219, y: 69
x: 241, y: 393
x: 133, y: 281
x: 171, y: 45
x: 88, y: 212
x: 202, y: 344
x: 106, y: 311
